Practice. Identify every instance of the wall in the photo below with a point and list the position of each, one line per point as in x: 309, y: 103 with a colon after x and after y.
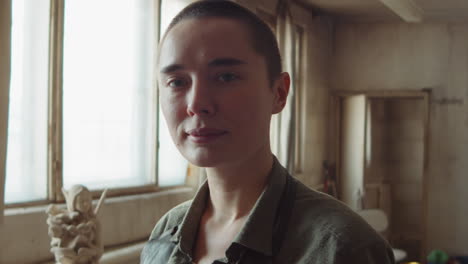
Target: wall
x: 403, y: 56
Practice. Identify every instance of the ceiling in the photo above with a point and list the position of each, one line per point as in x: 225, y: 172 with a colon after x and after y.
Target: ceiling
x: 393, y: 10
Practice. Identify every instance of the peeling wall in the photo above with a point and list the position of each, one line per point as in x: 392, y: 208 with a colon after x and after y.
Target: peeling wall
x: 401, y: 56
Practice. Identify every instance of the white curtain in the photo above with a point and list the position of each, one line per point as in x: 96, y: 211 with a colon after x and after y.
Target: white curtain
x: 283, y: 124
x: 5, y: 36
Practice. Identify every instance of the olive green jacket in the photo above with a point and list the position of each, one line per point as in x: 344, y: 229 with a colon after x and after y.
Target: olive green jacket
x: 320, y: 230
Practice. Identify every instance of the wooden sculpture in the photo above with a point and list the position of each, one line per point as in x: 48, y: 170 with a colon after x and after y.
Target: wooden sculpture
x: 75, y: 231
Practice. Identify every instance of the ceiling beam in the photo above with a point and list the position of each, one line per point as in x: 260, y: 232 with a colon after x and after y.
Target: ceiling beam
x: 406, y: 9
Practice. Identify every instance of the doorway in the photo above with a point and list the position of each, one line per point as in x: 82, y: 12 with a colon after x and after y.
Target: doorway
x: 381, y: 156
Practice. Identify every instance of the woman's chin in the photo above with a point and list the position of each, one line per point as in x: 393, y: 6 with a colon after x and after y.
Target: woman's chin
x: 205, y: 160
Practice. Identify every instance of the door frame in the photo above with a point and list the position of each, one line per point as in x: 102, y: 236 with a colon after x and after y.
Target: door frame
x: 336, y: 109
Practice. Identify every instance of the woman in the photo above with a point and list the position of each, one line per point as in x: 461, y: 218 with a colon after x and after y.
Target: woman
x: 220, y: 82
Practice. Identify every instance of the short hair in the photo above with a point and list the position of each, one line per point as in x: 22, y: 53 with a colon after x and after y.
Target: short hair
x: 263, y: 39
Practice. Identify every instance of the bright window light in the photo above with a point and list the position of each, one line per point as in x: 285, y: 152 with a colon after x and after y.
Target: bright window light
x: 26, y: 167
x: 108, y: 95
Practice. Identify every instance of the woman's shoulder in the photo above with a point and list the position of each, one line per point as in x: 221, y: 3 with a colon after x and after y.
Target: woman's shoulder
x: 171, y: 219
x: 319, y: 213
x: 322, y: 229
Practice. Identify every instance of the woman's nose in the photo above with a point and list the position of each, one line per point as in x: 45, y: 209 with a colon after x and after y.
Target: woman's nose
x: 201, y: 100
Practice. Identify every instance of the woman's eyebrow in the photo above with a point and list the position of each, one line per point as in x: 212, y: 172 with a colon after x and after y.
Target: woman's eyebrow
x: 171, y: 68
x: 226, y: 62
x: 214, y: 63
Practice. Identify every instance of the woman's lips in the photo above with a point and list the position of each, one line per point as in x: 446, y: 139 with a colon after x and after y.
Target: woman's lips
x: 205, y: 135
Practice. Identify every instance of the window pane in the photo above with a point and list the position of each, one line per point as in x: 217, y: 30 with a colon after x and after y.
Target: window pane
x: 172, y: 165
x: 27, y: 128
x: 108, y: 98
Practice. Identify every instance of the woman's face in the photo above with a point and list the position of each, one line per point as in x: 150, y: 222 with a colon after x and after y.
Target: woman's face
x: 215, y: 93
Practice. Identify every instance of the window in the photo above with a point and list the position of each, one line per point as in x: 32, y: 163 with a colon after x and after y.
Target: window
x: 83, y: 101
x: 26, y: 166
x: 108, y: 93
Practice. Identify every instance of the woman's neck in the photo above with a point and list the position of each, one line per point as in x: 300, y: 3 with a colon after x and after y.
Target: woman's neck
x: 234, y: 189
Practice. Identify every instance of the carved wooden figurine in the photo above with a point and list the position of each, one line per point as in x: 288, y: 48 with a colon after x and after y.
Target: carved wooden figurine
x: 75, y: 231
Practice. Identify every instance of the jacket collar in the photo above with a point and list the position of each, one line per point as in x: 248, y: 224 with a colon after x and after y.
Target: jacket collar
x: 257, y: 232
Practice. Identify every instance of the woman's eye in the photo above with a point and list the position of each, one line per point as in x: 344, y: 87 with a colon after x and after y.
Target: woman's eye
x: 227, y: 77
x: 175, y: 83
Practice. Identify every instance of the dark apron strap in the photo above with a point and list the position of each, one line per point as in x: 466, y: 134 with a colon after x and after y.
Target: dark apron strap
x: 283, y: 214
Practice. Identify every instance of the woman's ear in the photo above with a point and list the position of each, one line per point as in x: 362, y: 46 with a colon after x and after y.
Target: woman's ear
x: 281, y: 90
